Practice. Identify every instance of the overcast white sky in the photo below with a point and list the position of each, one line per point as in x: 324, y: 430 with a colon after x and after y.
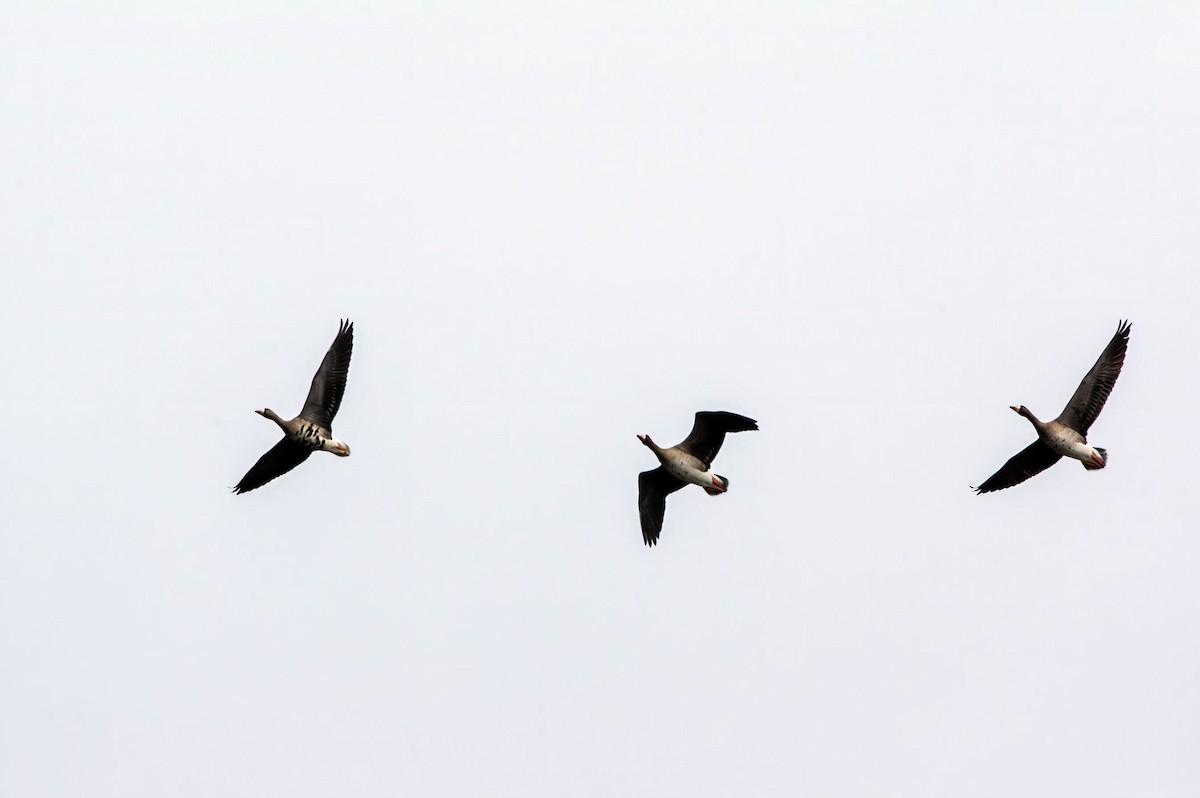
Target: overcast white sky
x: 872, y: 227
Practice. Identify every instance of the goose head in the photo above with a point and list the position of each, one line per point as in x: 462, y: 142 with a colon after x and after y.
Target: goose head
x: 271, y: 414
x: 1021, y: 410
x: 339, y: 447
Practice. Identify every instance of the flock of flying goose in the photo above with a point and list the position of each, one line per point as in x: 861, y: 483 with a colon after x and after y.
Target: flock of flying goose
x: 690, y: 461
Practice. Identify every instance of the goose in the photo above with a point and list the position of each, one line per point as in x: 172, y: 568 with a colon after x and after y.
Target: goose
x: 310, y: 431
x: 1067, y: 434
x: 686, y: 462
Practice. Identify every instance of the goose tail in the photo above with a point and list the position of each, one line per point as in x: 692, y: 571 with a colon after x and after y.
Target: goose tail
x: 1098, y: 461
x: 720, y: 485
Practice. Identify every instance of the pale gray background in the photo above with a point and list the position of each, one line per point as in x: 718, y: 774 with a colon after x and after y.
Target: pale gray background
x: 870, y: 226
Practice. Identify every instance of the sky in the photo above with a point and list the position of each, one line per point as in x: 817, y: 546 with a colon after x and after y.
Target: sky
x: 870, y: 226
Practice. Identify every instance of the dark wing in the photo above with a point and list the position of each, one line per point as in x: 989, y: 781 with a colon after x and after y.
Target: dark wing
x: 280, y: 459
x: 1089, y: 398
x: 653, y: 489
x: 329, y: 383
x: 708, y: 433
x: 1030, y: 461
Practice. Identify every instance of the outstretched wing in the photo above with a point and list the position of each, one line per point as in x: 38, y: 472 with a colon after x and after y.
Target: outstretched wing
x: 279, y: 459
x: 1030, y: 461
x: 708, y: 433
x: 653, y: 489
x: 329, y: 383
x: 1092, y: 393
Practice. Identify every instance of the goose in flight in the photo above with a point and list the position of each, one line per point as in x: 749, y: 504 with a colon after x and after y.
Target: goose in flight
x: 689, y: 461
x: 1067, y: 434
x: 311, y: 430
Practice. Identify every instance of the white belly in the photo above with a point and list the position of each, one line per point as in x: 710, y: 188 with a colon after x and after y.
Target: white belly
x: 692, y: 474
x: 1068, y: 447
